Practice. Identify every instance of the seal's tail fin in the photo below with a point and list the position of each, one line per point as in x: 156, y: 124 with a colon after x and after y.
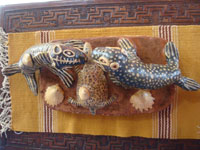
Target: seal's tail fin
x: 188, y: 84
x: 31, y: 80
x: 11, y: 69
x: 172, y: 55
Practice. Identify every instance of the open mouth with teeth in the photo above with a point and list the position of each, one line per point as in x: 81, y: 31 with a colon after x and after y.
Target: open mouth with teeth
x: 71, y: 61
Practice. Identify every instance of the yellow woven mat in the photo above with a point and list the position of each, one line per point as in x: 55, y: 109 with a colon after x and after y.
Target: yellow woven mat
x: 180, y: 120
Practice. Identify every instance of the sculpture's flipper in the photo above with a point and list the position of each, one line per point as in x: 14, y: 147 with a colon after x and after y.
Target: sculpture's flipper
x: 188, y: 84
x: 11, y: 69
x: 77, y: 69
x: 74, y: 102
x: 114, y: 80
x: 127, y: 45
x: 93, y: 109
x: 172, y: 55
x: 112, y: 99
x: 76, y: 43
x: 117, y: 82
x: 128, y: 49
x: 87, y: 49
x: 31, y: 80
x: 65, y: 77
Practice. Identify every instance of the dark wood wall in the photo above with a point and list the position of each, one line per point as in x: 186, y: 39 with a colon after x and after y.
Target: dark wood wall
x: 88, y: 14
x: 99, y: 13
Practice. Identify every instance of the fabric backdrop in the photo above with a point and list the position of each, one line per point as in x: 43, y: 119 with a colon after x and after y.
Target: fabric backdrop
x: 180, y: 120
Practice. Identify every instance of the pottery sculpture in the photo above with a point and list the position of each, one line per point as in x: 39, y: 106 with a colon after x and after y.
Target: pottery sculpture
x: 142, y: 100
x: 92, y: 89
x: 54, y: 95
x: 57, y: 57
x: 126, y: 69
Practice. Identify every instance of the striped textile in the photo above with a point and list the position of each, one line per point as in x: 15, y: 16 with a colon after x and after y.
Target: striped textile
x: 179, y: 120
x: 46, y: 114
x: 165, y: 121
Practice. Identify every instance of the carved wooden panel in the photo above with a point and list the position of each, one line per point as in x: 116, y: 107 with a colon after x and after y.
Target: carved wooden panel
x: 90, y: 13
x: 89, y: 142
x: 101, y: 15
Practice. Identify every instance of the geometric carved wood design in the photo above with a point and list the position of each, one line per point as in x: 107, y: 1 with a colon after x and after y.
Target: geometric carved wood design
x: 91, y: 13
x: 128, y: 13
x: 88, y: 142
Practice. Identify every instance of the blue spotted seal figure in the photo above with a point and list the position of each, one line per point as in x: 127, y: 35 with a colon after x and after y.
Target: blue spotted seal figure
x: 56, y: 56
x: 126, y: 69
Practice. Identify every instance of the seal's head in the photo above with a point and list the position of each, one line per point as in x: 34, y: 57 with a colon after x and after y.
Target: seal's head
x: 67, y: 56
x: 111, y: 59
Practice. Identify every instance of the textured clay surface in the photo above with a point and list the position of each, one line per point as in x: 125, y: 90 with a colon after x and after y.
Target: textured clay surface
x: 149, y: 49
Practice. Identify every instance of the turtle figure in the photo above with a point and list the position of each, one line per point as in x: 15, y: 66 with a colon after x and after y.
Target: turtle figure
x: 126, y: 69
x: 92, y: 89
x: 56, y: 56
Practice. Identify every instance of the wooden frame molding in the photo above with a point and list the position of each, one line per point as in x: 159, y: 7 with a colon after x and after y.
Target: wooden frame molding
x: 60, y: 141
x: 95, y: 13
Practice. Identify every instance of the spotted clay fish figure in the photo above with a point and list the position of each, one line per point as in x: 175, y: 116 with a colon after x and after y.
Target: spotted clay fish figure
x: 126, y: 69
x: 92, y: 89
x: 57, y: 57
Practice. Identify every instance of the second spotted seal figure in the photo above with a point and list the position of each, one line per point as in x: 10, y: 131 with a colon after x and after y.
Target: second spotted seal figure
x: 125, y: 67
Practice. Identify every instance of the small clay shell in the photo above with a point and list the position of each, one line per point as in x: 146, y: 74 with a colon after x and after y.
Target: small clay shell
x: 142, y: 100
x: 54, y: 95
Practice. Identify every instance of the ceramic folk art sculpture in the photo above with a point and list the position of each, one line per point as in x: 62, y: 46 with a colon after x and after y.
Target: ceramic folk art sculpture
x: 125, y: 67
x: 92, y: 89
x: 54, y: 95
x: 142, y: 100
x: 57, y: 57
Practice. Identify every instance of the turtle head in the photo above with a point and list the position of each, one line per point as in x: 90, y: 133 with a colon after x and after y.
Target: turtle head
x: 67, y: 56
x: 111, y: 59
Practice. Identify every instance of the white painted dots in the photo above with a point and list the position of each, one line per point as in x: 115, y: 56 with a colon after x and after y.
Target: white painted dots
x: 134, y: 73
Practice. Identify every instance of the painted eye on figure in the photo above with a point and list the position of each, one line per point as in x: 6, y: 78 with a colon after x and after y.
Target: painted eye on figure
x: 114, y: 66
x: 69, y: 53
x: 103, y: 60
x: 57, y: 50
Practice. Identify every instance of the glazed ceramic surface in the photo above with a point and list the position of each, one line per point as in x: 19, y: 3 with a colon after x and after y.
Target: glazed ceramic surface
x: 126, y: 68
x: 57, y: 57
x: 92, y: 89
